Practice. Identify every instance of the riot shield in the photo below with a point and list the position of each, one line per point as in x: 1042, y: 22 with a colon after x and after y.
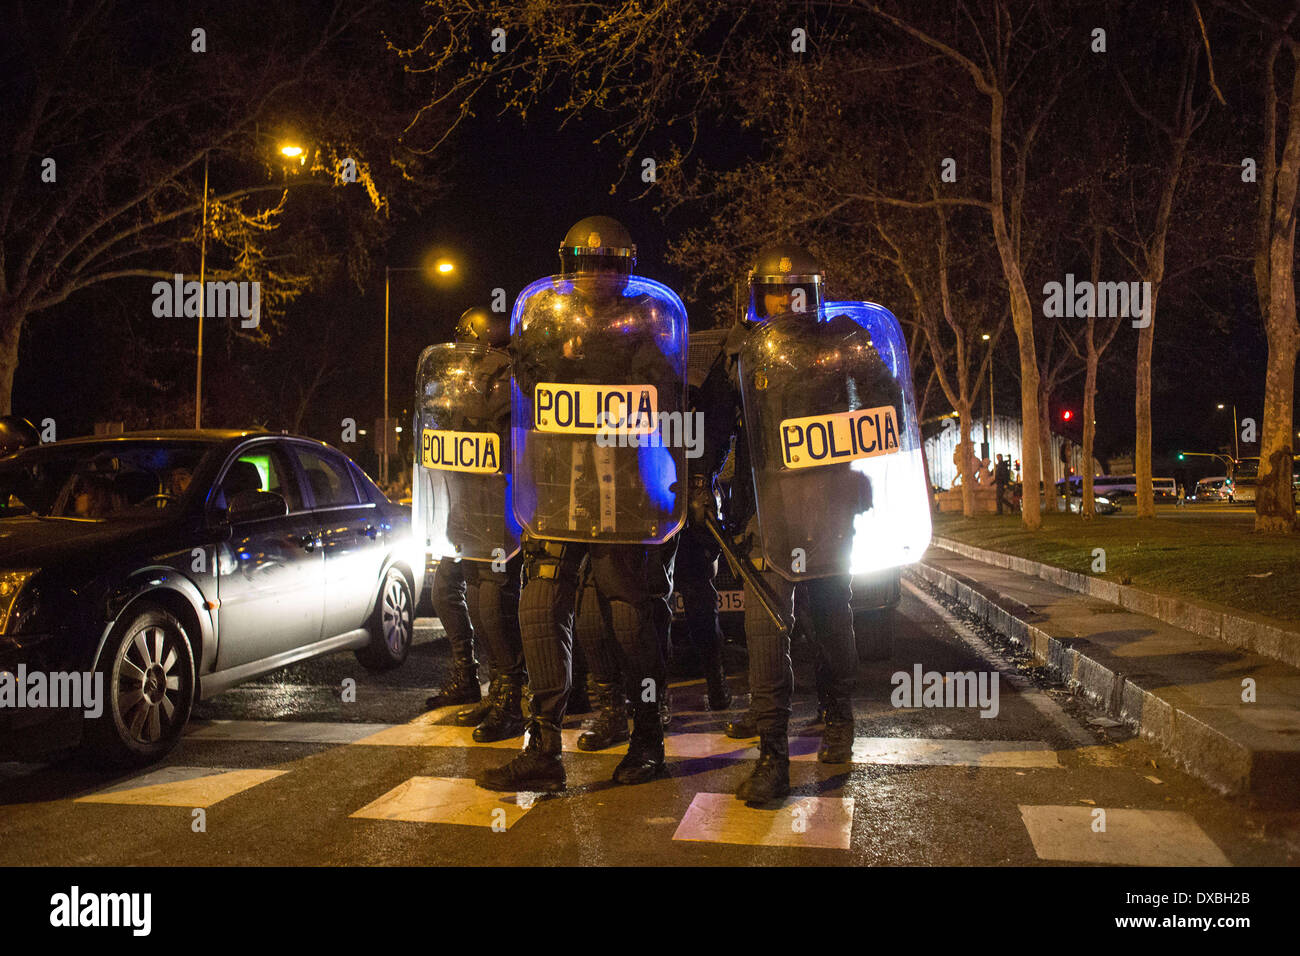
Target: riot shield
x: 599, y: 409
x: 834, y: 441
x: 461, y: 488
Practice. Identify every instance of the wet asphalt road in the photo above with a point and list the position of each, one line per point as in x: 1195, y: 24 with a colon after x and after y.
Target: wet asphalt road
x: 1024, y: 792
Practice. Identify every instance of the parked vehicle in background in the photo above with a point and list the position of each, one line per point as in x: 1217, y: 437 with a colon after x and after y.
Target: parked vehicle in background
x: 1124, y: 488
x: 1245, y: 476
x: 1073, y: 500
x: 173, y: 565
x: 1218, y: 488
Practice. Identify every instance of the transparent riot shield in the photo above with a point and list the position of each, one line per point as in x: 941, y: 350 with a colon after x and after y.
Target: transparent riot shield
x: 460, y: 498
x: 599, y: 409
x: 834, y: 441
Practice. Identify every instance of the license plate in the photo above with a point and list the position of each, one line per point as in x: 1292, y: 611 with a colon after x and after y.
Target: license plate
x: 728, y: 602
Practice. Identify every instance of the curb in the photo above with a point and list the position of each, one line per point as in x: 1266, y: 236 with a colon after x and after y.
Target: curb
x: 1257, y: 635
x: 1205, y: 748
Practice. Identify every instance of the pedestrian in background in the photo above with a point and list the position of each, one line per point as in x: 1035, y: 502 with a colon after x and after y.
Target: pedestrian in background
x: 1001, y: 478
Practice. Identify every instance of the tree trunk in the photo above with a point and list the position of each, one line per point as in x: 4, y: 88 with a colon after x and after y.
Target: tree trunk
x: 1274, y: 501
x: 1022, y: 319
x: 1045, y: 451
x: 11, y: 327
x: 1088, y: 508
x: 1146, y: 506
x: 966, y: 451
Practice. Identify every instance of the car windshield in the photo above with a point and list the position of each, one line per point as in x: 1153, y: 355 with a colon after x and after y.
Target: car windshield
x: 99, y: 480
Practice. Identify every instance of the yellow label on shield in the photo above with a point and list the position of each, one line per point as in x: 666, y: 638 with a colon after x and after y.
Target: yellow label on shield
x: 476, y: 452
x: 843, y: 436
x: 595, y: 409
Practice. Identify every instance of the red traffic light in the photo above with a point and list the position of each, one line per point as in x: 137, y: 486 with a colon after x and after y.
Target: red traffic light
x: 1066, y: 415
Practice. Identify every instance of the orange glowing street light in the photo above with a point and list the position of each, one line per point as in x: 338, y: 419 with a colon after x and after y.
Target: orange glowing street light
x: 445, y: 267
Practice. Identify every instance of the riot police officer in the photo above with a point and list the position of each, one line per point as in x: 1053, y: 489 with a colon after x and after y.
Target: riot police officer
x: 596, y: 350
x: 785, y: 279
x: 475, y: 597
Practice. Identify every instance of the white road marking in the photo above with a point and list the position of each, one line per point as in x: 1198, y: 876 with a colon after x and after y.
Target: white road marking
x: 182, y: 787
x: 823, y: 822
x: 1130, y: 837
x: 447, y: 800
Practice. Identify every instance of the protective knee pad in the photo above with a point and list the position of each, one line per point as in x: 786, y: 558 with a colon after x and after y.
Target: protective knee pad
x: 592, y: 634
x: 636, y: 629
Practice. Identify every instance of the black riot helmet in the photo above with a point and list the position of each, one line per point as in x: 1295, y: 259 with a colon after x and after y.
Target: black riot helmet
x: 597, y: 244
x: 17, y: 433
x: 484, y: 327
x: 785, y: 278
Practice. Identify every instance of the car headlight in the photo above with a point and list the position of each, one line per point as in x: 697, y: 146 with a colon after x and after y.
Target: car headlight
x: 1103, y: 501
x: 11, y: 585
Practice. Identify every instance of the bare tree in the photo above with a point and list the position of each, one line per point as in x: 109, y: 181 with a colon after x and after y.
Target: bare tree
x: 117, y: 112
x: 1274, y: 270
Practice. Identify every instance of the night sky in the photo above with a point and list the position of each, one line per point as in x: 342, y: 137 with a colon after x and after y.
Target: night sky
x: 512, y: 190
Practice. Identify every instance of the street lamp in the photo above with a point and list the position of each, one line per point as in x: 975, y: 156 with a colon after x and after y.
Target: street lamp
x: 287, y: 150
x: 1236, y: 450
x: 441, y: 267
x: 989, y: 451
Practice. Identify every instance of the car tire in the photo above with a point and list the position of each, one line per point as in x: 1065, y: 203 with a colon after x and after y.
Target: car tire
x: 149, y: 685
x: 392, y: 625
x: 874, y: 633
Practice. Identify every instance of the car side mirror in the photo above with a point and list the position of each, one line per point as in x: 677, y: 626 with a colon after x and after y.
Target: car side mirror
x: 255, y: 506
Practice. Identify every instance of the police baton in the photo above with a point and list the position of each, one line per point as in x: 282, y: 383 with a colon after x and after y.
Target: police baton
x: 756, y: 585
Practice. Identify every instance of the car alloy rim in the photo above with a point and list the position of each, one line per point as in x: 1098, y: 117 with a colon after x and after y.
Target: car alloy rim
x: 149, y: 685
x: 397, y: 616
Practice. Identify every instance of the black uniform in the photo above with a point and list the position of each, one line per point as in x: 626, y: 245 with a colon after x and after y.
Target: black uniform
x: 824, y: 605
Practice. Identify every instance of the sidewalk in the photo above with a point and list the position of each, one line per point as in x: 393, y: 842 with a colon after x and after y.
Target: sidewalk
x: 1180, y: 689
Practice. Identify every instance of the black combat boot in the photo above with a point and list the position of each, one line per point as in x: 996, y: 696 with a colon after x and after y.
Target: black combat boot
x: 610, y: 726
x: 580, y: 697
x: 461, y: 688
x: 537, y: 767
x: 837, y: 737
x: 715, y: 680
x: 770, y: 781
x: 743, y: 727
x: 645, y: 754
x: 505, y: 716
x: 474, y: 715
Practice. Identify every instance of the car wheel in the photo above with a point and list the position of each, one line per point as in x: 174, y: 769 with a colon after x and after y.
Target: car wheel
x: 874, y: 632
x: 148, y: 672
x: 391, y: 625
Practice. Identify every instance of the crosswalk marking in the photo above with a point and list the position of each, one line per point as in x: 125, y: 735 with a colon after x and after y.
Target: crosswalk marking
x: 292, y: 731
x: 825, y: 822
x: 182, y: 787
x: 424, y: 731
x: 1131, y: 837
x: 447, y: 800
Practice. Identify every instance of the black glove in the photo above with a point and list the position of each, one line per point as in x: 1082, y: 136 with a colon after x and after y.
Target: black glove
x: 701, y: 503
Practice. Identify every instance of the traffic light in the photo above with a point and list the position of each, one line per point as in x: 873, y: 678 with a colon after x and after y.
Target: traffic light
x: 1066, y: 415
x: 1181, y: 456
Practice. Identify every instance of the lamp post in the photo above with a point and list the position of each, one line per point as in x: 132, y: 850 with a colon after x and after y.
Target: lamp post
x: 203, y: 262
x: 443, y: 267
x: 992, y: 420
x: 1236, y: 450
x: 288, y: 151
